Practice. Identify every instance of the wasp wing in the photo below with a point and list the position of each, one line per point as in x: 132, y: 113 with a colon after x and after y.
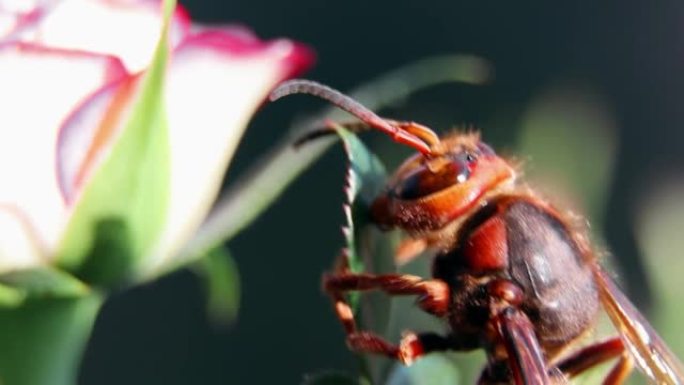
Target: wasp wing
x: 650, y: 353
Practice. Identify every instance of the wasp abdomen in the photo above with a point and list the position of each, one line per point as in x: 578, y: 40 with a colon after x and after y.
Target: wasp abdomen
x: 544, y: 259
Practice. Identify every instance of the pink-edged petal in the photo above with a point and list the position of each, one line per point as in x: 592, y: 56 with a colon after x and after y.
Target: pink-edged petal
x: 12, y: 25
x: 19, y: 246
x: 40, y: 88
x: 19, y: 6
x: 128, y: 30
x: 87, y: 134
x: 19, y: 17
x: 215, y: 83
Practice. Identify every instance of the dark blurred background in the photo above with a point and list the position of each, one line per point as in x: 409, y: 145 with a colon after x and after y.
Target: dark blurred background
x: 630, y: 54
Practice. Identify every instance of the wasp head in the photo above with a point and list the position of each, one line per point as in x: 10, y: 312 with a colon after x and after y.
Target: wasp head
x: 427, y: 193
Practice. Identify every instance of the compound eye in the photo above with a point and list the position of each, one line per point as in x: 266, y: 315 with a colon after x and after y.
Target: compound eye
x: 424, y: 182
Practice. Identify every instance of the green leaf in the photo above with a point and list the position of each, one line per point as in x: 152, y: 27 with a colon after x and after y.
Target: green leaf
x: 331, y: 378
x: 251, y: 194
x: 222, y: 284
x: 433, y: 369
x: 43, y: 339
x: 366, y: 177
x: 122, y: 209
x: 39, y: 282
x: 11, y: 296
x: 568, y: 134
x: 367, y: 249
x: 660, y: 220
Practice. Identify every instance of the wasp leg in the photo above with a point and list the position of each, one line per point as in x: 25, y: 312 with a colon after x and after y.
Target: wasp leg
x: 363, y: 342
x: 411, y: 347
x: 597, y: 354
x: 591, y: 356
x: 433, y: 295
x: 434, y: 298
x: 620, y: 371
x: 414, y: 346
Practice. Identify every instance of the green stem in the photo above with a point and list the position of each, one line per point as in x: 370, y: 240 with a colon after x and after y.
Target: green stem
x: 42, y: 340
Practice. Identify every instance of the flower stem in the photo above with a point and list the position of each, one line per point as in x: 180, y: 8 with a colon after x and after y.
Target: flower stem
x: 43, y: 339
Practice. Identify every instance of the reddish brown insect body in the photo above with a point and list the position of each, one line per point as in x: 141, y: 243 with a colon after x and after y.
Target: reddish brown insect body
x: 512, y: 275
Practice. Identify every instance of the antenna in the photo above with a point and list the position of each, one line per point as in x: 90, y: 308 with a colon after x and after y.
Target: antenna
x: 302, y: 86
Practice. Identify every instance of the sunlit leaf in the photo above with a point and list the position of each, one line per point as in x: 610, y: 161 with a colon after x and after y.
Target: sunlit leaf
x: 123, y: 206
x: 222, y: 284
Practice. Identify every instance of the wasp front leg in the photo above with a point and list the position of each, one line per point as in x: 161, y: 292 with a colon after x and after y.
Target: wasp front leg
x: 434, y: 297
